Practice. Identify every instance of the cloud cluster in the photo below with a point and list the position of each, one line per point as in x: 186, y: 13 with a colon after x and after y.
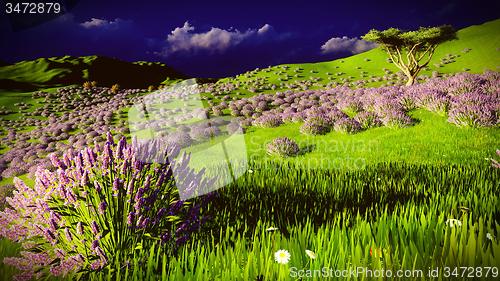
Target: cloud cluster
x: 214, y: 40
x: 346, y: 44
x: 102, y: 23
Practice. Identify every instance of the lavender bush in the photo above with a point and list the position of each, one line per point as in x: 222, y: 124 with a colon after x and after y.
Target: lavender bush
x: 475, y: 109
x: 95, y: 209
x: 283, y: 147
x: 396, y: 119
x: 347, y: 125
x: 268, y: 121
x: 367, y: 120
x: 315, y: 126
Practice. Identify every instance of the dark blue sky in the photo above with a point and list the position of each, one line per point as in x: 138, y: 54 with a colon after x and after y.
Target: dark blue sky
x: 219, y: 38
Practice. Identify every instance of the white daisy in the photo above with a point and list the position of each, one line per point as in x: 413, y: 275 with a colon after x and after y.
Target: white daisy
x: 311, y: 254
x: 489, y: 236
x: 453, y: 222
x: 271, y: 229
x: 282, y: 256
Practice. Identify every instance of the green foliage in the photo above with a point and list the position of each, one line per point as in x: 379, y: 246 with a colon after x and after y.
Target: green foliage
x: 412, y: 50
x: 100, y: 206
x: 394, y: 37
x: 398, y: 211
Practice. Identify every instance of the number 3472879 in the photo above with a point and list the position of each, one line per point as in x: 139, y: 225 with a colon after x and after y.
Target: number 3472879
x: 33, y: 8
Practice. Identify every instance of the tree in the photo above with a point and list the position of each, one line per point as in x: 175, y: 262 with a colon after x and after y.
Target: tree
x: 411, y: 51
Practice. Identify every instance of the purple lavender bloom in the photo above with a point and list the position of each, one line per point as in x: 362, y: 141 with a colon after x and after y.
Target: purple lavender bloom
x: 131, y: 218
x: 53, y: 224
x: 475, y: 109
x: 65, y: 185
x: 94, y: 245
x: 94, y: 227
x: 165, y: 237
x: 102, y: 207
x: 161, y: 213
x: 130, y: 186
x: 367, y: 120
x: 79, y: 228
x: 335, y: 115
x: 347, y: 125
x: 396, y: 119
x: 97, y: 186
x: 119, y: 148
x: 117, y: 183
x: 100, y: 252
x: 84, y: 179
x: 315, y: 126
x: 268, y: 121
x: 283, y: 146
x: 68, y: 235
x: 56, y: 162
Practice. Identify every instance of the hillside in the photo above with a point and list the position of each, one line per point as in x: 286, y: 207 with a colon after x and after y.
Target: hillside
x: 67, y: 70
x: 476, y: 49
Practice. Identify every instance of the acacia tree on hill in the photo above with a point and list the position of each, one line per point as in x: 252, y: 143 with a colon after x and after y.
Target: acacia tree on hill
x: 411, y: 51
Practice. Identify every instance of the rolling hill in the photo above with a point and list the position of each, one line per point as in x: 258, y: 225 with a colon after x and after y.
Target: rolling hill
x: 68, y: 70
x: 477, y: 49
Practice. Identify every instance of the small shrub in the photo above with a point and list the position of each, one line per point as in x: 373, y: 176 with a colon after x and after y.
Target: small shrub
x: 474, y: 109
x: 234, y: 127
x: 396, y: 119
x: 283, y: 147
x: 347, y: 125
x: 268, y: 121
x: 367, y: 120
x: 315, y: 126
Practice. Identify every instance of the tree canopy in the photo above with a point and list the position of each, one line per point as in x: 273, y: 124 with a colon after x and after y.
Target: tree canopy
x: 411, y: 51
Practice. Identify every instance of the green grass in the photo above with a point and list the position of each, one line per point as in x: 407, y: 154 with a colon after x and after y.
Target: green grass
x: 399, y: 208
x: 8, y: 249
x: 432, y: 140
x: 400, y: 211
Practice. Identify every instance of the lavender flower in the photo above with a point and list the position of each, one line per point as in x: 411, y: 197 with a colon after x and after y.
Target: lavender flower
x: 94, y: 227
x: 79, y: 228
x: 367, y: 120
x: 396, y: 119
x: 315, y: 126
x: 268, y: 121
x: 67, y: 232
x: 283, y: 147
x: 347, y: 125
x: 102, y: 207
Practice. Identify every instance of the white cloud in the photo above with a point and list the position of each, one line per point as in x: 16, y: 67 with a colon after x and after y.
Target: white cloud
x: 264, y: 29
x: 102, y: 23
x: 353, y: 45
x: 215, y: 40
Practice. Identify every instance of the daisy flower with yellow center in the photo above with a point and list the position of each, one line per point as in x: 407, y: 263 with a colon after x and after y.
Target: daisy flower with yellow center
x: 311, y: 254
x: 282, y: 256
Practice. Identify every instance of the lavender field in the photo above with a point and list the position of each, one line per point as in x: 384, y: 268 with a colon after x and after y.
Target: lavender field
x: 291, y: 172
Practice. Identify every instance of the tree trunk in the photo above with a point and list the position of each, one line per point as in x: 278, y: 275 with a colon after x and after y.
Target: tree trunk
x: 411, y: 79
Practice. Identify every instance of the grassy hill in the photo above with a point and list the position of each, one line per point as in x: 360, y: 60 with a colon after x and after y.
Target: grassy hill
x: 67, y: 70
x: 476, y: 49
